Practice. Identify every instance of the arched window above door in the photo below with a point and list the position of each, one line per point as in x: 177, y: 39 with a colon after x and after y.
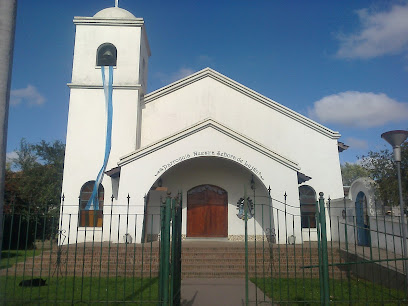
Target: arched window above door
x: 307, y: 197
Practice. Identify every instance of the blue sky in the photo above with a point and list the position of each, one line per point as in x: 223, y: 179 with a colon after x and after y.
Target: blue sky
x: 342, y: 63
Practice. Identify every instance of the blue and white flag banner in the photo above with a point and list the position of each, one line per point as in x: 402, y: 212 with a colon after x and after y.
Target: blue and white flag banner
x: 93, y: 202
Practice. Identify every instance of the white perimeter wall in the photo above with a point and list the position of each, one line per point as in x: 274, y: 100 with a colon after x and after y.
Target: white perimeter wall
x: 385, y: 231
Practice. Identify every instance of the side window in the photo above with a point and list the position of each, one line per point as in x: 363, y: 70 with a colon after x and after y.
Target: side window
x: 106, y: 55
x: 90, y: 217
x: 307, y: 197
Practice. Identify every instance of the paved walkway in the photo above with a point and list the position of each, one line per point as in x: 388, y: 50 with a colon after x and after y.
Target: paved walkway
x: 390, y: 260
x: 218, y: 291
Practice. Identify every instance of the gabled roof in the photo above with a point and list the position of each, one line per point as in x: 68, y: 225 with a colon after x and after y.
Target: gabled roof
x: 207, y: 123
x: 208, y: 72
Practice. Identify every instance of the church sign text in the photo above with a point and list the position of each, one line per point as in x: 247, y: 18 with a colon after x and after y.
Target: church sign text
x: 221, y: 154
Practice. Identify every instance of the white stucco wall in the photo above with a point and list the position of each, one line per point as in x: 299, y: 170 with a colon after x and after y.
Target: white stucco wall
x: 315, y: 152
x: 249, y: 134
x: 154, y: 164
x: 86, y: 130
x: 85, y: 143
x: 228, y: 175
x: 385, y: 231
x: 127, y: 40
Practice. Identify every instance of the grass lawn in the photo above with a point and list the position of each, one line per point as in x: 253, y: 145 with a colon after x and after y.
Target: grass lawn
x: 11, y: 257
x: 307, y: 292
x: 68, y: 290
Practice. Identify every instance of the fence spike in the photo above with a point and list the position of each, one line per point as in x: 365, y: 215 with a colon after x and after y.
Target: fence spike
x: 274, y: 259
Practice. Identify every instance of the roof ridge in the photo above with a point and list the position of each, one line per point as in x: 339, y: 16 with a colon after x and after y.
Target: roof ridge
x: 209, y: 72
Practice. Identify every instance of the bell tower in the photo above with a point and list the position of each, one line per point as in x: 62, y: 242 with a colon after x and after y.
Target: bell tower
x: 112, y: 37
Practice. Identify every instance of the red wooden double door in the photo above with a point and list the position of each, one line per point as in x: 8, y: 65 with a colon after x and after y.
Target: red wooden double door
x: 207, y: 212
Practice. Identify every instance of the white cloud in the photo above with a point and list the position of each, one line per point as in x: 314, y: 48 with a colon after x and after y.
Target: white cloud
x: 29, y: 95
x: 182, y: 73
x: 381, y: 33
x: 359, y: 109
x: 205, y: 60
x: 10, y: 156
x: 175, y: 76
x: 356, y: 143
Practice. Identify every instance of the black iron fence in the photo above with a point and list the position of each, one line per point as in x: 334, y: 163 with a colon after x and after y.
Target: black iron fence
x: 332, y: 257
x: 135, y: 256
x: 51, y: 258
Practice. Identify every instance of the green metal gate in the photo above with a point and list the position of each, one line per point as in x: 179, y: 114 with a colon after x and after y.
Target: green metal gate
x: 324, y: 263
x: 170, y: 251
x: 133, y: 259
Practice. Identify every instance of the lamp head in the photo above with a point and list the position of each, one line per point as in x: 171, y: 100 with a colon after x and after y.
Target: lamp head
x: 395, y: 139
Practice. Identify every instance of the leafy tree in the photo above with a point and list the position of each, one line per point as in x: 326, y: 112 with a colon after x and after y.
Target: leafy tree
x: 26, y: 158
x: 350, y: 172
x: 382, y: 169
x: 33, y: 184
x: 36, y: 181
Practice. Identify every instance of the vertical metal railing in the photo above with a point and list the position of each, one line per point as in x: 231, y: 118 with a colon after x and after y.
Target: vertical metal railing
x: 176, y: 250
x: 49, y: 258
x: 323, y: 254
x: 170, y: 251
x: 117, y: 264
x: 326, y: 264
x: 246, y: 247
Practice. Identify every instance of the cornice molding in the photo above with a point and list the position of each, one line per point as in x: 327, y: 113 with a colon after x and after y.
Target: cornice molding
x: 137, y: 22
x: 208, y: 72
x: 85, y: 86
x: 146, y: 40
x: 208, y: 123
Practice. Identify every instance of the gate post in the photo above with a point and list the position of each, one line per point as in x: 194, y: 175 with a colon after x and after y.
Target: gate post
x: 170, y: 253
x: 175, y: 283
x: 165, y: 251
x: 323, y: 255
x: 246, y: 246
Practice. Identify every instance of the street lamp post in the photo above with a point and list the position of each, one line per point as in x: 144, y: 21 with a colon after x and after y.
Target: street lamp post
x: 395, y: 139
x: 8, y: 9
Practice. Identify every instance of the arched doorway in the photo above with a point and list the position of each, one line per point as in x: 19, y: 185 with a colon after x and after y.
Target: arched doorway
x: 207, y: 212
x: 362, y: 220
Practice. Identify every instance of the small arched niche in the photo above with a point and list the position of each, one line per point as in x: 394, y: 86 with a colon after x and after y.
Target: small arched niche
x: 106, y: 55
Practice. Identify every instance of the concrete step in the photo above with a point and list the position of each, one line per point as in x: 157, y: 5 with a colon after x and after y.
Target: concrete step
x: 222, y: 260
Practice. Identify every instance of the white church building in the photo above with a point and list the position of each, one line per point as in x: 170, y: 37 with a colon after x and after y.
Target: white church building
x: 205, y: 135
